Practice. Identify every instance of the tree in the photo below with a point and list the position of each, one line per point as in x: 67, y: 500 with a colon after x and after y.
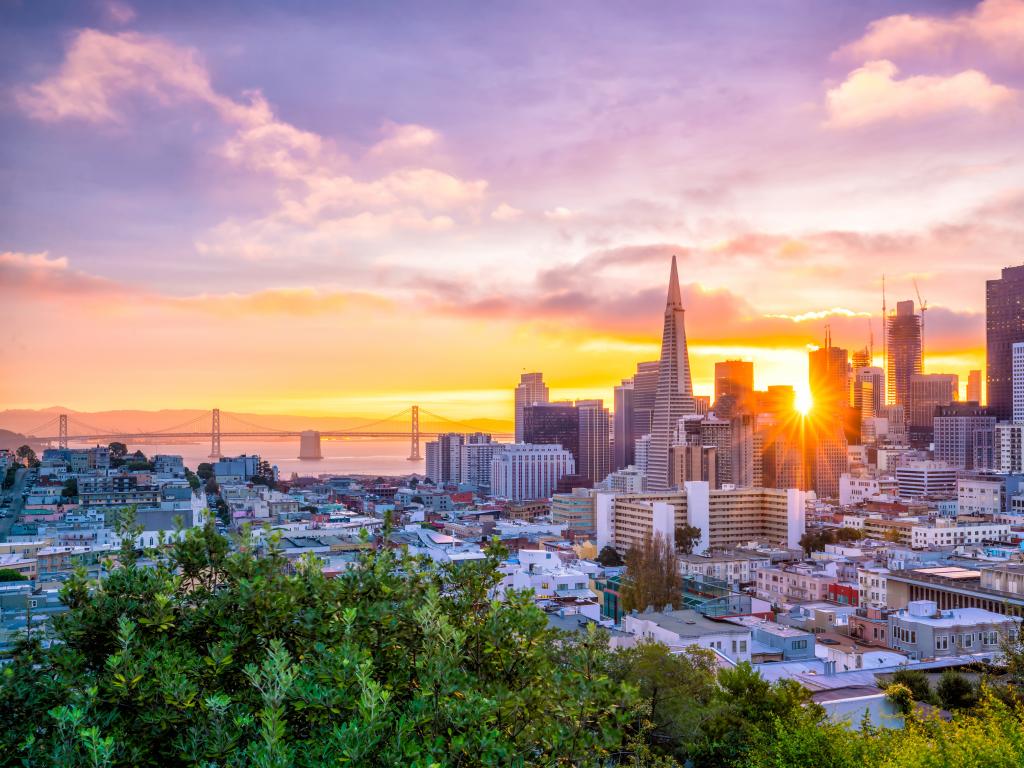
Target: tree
x: 686, y: 537
x: 209, y: 656
x: 917, y: 682
x: 27, y: 456
x: 117, y: 450
x: 70, y: 489
x: 223, y: 511
x: 893, y: 536
x: 955, y: 691
x: 10, y: 476
x: 609, y: 557
x: 652, y: 577
x: 7, y: 574
x: 211, y: 488
x: 205, y: 471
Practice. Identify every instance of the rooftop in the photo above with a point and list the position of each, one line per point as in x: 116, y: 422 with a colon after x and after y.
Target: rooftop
x: 688, y: 623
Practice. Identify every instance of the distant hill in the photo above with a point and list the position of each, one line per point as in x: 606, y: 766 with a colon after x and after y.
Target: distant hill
x: 12, y: 441
x: 43, y: 421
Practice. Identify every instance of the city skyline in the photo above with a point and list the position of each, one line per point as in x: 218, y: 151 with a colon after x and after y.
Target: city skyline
x: 277, y: 234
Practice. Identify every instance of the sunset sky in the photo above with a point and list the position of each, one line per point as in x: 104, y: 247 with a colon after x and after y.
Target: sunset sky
x: 349, y: 207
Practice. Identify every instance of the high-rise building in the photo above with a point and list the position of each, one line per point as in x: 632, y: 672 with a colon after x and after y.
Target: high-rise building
x: 860, y: 358
x: 675, y: 387
x: 718, y: 433
x: 476, y: 462
x: 965, y: 436
x: 531, y: 389
x: 928, y: 390
x: 594, y: 458
x: 734, y: 379
x: 643, y: 450
x: 974, y: 387
x: 779, y: 400
x: 693, y: 462
x: 553, y: 424
x: 827, y: 446
x: 645, y: 390
x: 1004, y: 327
x: 903, y: 350
x: 624, y: 450
x: 521, y: 472
x: 1017, y: 375
x: 828, y: 377
x: 744, y: 451
x: 1009, y: 448
x: 446, y: 458
x: 868, y: 391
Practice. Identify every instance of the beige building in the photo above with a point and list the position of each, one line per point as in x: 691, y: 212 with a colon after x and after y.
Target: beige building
x: 726, y: 517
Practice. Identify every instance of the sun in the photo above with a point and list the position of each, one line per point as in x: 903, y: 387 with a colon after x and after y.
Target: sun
x: 803, y: 402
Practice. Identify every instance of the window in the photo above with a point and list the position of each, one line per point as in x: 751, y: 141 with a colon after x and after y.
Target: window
x: 991, y: 638
x: 941, y: 642
x: 799, y: 645
x: 743, y: 646
x: 968, y: 639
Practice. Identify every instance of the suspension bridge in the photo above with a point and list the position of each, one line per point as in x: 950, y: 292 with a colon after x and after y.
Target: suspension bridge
x: 216, y: 427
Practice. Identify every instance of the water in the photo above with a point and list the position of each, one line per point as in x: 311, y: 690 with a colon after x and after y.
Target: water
x: 355, y: 457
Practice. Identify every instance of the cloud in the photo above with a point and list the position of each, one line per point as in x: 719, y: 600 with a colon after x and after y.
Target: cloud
x: 993, y: 25
x: 320, y: 194
x: 559, y: 214
x: 873, y: 94
x: 506, y: 212
x: 118, y: 12
x: 297, y: 302
x: 404, y: 138
x: 27, y: 276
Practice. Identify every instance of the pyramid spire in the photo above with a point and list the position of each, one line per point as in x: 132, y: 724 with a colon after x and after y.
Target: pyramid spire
x: 675, y: 298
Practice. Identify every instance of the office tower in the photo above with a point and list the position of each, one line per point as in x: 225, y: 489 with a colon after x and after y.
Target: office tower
x: 521, y: 472
x: 675, y: 388
x: 718, y: 432
x: 829, y: 459
x: 432, y: 469
x: 735, y: 379
x: 868, y: 391
x: 687, y: 431
x: 594, y: 462
x: 782, y: 461
x: 974, y: 387
x: 1004, y: 327
x: 702, y: 404
x: 1009, y: 448
x: 476, y: 462
x: 643, y: 450
x: 693, y: 462
x: 828, y: 376
x: 645, y: 390
x: 965, y: 436
x: 744, y: 450
x: 1017, y: 374
x: 928, y: 390
x: 553, y: 424
x: 903, y: 351
x: 531, y: 389
x: 624, y: 451
x: 779, y: 400
x: 861, y: 358
x: 895, y: 417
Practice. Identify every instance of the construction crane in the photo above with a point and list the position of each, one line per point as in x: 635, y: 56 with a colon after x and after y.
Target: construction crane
x: 924, y: 308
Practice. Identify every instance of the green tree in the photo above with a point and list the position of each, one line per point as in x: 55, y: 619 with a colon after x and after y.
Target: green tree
x: 10, y: 476
x: 955, y: 691
x: 27, y: 456
x: 652, y: 577
x: 70, y: 488
x: 118, y: 450
x: 917, y: 682
x: 687, y: 537
x: 7, y: 574
x: 609, y: 557
x: 204, y: 471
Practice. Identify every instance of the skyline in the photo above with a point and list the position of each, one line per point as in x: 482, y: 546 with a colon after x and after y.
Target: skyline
x: 222, y: 206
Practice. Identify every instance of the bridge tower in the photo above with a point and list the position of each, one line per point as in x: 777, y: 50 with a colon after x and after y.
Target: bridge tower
x: 215, y: 435
x: 414, y: 450
x: 62, y: 439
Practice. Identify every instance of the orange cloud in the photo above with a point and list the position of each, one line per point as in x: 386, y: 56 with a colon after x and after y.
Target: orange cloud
x: 995, y: 25
x: 873, y: 94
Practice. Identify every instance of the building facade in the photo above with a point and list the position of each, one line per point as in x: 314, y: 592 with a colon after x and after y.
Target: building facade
x: 531, y: 389
x: 1004, y: 327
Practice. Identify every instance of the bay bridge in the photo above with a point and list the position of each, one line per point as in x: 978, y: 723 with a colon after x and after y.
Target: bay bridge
x: 217, y: 426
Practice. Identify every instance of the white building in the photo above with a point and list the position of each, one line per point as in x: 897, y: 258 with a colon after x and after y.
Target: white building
x: 871, y: 586
x: 1018, y: 382
x: 476, y: 464
x: 627, y: 480
x: 855, y: 489
x: 926, y: 478
x: 681, y: 629
x: 945, y: 532
x: 521, y: 471
x: 980, y: 496
x: 1009, y: 448
x: 727, y: 517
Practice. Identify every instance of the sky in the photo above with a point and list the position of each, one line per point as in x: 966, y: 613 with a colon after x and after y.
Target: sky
x: 347, y: 208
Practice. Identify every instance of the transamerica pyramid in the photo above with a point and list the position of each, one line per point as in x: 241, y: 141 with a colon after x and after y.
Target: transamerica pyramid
x: 675, y: 388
